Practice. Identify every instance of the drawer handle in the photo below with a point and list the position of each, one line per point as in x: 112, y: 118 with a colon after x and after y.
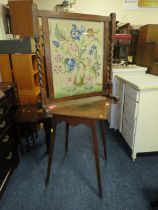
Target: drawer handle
x: 5, y: 140
x: 1, y: 111
x: 3, y: 124
x: 9, y: 156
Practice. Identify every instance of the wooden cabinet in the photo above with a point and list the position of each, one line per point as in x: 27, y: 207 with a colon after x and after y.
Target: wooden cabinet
x: 138, y: 113
x: 147, y: 47
x: 25, y: 70
x: 8, y: 144
x: 24, y: 17
x: 6, y: 68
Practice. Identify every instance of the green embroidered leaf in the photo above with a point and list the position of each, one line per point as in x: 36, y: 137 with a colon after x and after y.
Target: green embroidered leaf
x: 59, y: 33
x: 97, y: 31
x: 96, y: 68
x: 82, y: 52
x: 78, y: 66
x: 97, y: 40
x: 82, y: 42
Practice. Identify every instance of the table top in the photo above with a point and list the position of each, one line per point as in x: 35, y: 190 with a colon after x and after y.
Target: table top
x: 92, y: 108
x: 30, y: 114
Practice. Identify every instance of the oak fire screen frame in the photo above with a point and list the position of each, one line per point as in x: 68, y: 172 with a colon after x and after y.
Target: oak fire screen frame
x: 76, y: 53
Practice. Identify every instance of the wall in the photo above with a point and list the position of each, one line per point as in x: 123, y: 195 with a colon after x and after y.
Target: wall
x: 105, y: 7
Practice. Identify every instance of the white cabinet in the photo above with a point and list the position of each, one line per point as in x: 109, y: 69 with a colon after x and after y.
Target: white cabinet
x: 121, y: 70
x: 138, y: 113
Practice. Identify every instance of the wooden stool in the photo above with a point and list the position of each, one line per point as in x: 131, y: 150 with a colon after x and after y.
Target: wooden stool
x: 27, y: 118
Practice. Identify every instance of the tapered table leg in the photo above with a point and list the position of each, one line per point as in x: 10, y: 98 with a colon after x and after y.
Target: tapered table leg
x: 95, y: 150
x: 103, y: 138
x: 51, y: 149
x: 66, y: 137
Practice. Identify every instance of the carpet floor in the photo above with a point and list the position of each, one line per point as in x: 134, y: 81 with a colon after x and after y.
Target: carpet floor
x: 127, y: 185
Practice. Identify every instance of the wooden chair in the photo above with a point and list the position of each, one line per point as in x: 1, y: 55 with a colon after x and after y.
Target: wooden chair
x: 76, y: 97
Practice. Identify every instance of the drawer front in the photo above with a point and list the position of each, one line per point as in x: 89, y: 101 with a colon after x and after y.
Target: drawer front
x: 128, y: 138
x: 5, y: 121
x: 128, y: 129
x: 6, y: 138
x: 6, y: 161
x: 4, y: 107
x: 131, y: 92
x: 130, y: 106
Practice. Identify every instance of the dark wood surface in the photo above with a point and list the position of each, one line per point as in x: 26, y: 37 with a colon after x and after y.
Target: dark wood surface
x: 24, y: 18
x: 26, y: 118
x: 92, y: 108
x: 147, y: 48
x: 74, y: 16
x: 8, y: 142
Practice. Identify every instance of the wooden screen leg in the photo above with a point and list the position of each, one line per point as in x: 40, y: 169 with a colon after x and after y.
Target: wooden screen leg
x: 103, y: 138
x: 51, y: 149
x: 95, y: 150
x: 66, y: 137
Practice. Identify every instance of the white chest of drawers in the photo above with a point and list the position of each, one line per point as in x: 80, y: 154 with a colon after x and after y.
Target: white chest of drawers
x: 137, y: 112
x: 121, y: 70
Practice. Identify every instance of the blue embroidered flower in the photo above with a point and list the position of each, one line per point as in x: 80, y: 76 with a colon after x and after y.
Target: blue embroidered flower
x: 77, y: 33
x: 56, y: 43
x: 93, y: 49
x: 71, y: 63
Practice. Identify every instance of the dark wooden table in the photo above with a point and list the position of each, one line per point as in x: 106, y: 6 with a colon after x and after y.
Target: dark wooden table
x: 28, y: 116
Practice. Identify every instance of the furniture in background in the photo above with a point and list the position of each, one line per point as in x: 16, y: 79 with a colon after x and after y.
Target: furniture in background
x: 137, y: 112
x: 126, y: 39
x: 122, y: 46
x: 27, y: 117
x: 23, y: 69
x: 77, y: 70
x: 24, y: 21
x: 118, y: 69
x: 8, y: 142
x: 6, y: 68
x: 147, y: 48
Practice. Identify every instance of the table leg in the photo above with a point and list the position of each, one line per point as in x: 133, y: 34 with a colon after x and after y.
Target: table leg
x: 66, y: 137
x: 103, y: 138
x: 51, y: 149
x: 96, y: 155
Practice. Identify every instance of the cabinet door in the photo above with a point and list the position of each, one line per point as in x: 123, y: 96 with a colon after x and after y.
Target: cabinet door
x: 120, y: 93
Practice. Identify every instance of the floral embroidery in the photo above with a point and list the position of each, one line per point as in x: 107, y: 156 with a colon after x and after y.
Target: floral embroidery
x: 71, y: 63
x: 58, y: 58
x: 76, y: 58
x: 77, y: 33
x: 90, y: 32
x: 56, y: 43
x: 93, y: 49
x: 57, y: 69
